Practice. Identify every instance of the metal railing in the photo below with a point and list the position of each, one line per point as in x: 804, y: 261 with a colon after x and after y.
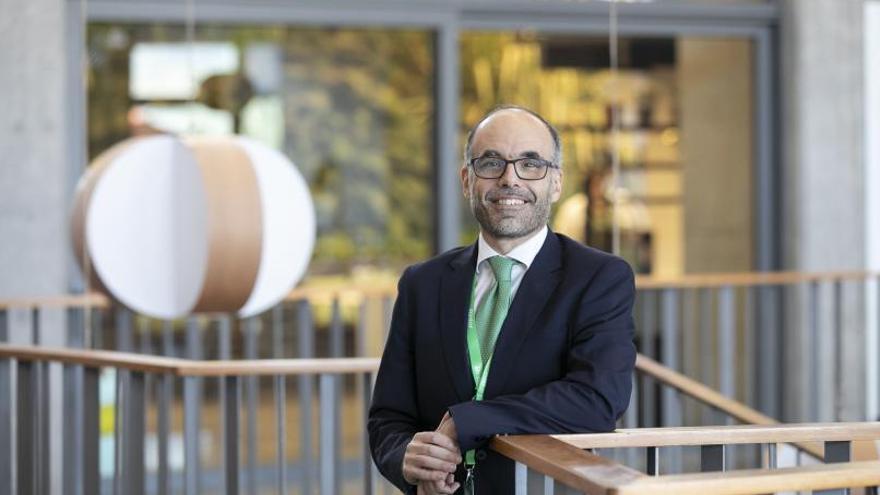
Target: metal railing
x: 724, y: 329
x: 25, y: 429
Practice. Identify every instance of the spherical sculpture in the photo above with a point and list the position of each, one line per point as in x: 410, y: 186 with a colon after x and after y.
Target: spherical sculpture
x: 173, y: 226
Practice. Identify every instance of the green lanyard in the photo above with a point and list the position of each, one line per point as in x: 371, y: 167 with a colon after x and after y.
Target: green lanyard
x: 479, y: 372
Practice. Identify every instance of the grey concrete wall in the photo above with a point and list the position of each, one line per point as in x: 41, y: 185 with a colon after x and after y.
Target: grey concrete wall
x: 33, y: 170
x: 823, y: 169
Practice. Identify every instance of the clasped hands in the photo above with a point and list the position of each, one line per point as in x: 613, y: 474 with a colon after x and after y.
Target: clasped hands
x: 431, y: 458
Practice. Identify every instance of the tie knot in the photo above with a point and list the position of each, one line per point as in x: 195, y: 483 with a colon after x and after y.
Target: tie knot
x: 501, y: 267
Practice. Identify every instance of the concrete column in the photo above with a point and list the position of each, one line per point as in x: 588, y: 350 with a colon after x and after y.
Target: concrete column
x: 823, y: 169
x: 34, y: 246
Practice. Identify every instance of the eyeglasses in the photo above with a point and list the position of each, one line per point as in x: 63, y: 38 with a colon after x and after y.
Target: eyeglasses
x: 493, y: 167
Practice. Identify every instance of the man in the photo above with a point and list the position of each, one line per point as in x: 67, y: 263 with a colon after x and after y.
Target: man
x: 525, y: 331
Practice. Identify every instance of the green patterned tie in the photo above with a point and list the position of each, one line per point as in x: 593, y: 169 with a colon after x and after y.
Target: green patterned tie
x: 493, y: 307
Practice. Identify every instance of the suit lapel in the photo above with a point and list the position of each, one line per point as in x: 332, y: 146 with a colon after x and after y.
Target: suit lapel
x: 532, y: 295
x: 455, y: 298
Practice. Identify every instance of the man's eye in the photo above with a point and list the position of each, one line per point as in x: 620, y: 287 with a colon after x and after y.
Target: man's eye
x: 532, y: 163
x: 490, y: 163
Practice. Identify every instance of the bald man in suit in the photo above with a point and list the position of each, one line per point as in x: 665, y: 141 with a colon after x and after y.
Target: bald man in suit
x: 523, y: 332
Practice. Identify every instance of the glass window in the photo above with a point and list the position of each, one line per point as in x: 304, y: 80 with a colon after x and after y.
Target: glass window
x: 352, y: 108
x: 685, y: 188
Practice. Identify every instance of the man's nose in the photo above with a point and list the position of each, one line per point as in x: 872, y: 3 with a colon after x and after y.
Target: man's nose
x: 509, y: 177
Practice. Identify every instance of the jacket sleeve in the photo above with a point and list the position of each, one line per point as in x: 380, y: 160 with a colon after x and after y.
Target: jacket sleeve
x: 595, y: 389
x: 393, y: 416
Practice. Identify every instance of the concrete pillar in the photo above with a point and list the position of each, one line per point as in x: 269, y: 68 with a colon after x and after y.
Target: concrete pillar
x: 822, y: 173
x: 34, y: 246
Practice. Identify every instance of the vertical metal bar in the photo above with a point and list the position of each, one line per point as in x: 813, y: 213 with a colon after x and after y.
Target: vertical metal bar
x: 230, y: 404
x: 726, y: 341
x: 769, y: 365
x: 652, y: 461
x: 280, y: 400
x: 520, y: 479
x: 328, y: 434
x: 837, y: 345
x: 192, y: 406
x: 690, y: 348
x: 306, y: 344
x: 711, y: 458
x: 367, y: 392
x: 163, y: 413
x: 224, y: 352
x: 281, y: 433
x: 251, y: 330
x: 41, y: 412
x: 707, y: 349
x: 768, y: 456
x: 191, y: 435
x: 534, y: 481
x: 91, y: 433
x: 25, y: 427
x: 133, y: 451
x: 7, y: 449
x: 671, y: 399
x: 872, y: 349
x: 815, y: 366
x: 749, y: 346
x: 72, y: 434
x: 124, y: 342
x: 337, y: 349
x: 631, y: 419
x: 549, y: 487
x: 649, y: 402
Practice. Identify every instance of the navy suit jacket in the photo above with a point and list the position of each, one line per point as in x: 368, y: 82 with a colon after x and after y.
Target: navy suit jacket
x: 563, y: 361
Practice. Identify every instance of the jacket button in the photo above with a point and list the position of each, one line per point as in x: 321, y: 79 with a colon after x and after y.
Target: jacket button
x: 481, y: 455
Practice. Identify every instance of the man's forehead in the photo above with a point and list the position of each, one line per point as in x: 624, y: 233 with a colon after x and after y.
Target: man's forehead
x: 513, y: 130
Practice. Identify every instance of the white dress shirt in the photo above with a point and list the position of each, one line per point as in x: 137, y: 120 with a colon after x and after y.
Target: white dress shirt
x: 524, y: 254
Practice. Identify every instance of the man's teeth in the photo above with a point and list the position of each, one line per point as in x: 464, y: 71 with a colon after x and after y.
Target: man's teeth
x: 510, y: 202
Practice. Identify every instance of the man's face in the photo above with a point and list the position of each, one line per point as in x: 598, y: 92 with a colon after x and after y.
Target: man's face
x: 510, y: 207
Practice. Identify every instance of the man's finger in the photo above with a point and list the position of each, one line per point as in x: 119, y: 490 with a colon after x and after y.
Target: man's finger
x: 442, y: 440
x: 419, y: 474
x: 441, y: 453
x: 432, y: 463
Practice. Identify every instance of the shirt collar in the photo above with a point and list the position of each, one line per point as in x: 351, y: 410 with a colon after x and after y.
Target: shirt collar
x: 524, y: 253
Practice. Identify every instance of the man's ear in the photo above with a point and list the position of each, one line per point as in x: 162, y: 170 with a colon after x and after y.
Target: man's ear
x: 465, y: 182
x: 556, y: 185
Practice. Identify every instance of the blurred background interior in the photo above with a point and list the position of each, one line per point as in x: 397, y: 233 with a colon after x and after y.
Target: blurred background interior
x: 749, y: 142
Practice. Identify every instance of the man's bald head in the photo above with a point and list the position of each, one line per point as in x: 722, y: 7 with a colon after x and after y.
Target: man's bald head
x: 553, y: 133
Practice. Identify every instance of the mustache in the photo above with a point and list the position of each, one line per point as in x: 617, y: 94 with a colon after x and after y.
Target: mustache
x: 509, y: 193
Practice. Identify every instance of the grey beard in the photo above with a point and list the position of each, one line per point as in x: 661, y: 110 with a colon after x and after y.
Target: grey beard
x: 511, y: 227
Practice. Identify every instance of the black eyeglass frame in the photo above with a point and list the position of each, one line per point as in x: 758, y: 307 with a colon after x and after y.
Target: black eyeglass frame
x: 547, y: 166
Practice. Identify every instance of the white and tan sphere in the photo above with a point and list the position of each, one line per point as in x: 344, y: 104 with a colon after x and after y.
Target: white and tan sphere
x: 173, y: 226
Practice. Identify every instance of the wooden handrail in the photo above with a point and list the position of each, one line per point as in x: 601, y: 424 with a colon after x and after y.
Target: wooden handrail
x: 757, y: 481
x: 189, y: 367
x: 570, y: 465
x: 734, y: 434
x: 690, y: 281
x: 711, y: 397
x: 736, y: 279
x: 592, y: 474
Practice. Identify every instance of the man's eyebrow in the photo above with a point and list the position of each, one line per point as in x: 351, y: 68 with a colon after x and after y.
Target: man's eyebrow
x: 524, y: 154
x: 530, y: 154
x: 490, y: 152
